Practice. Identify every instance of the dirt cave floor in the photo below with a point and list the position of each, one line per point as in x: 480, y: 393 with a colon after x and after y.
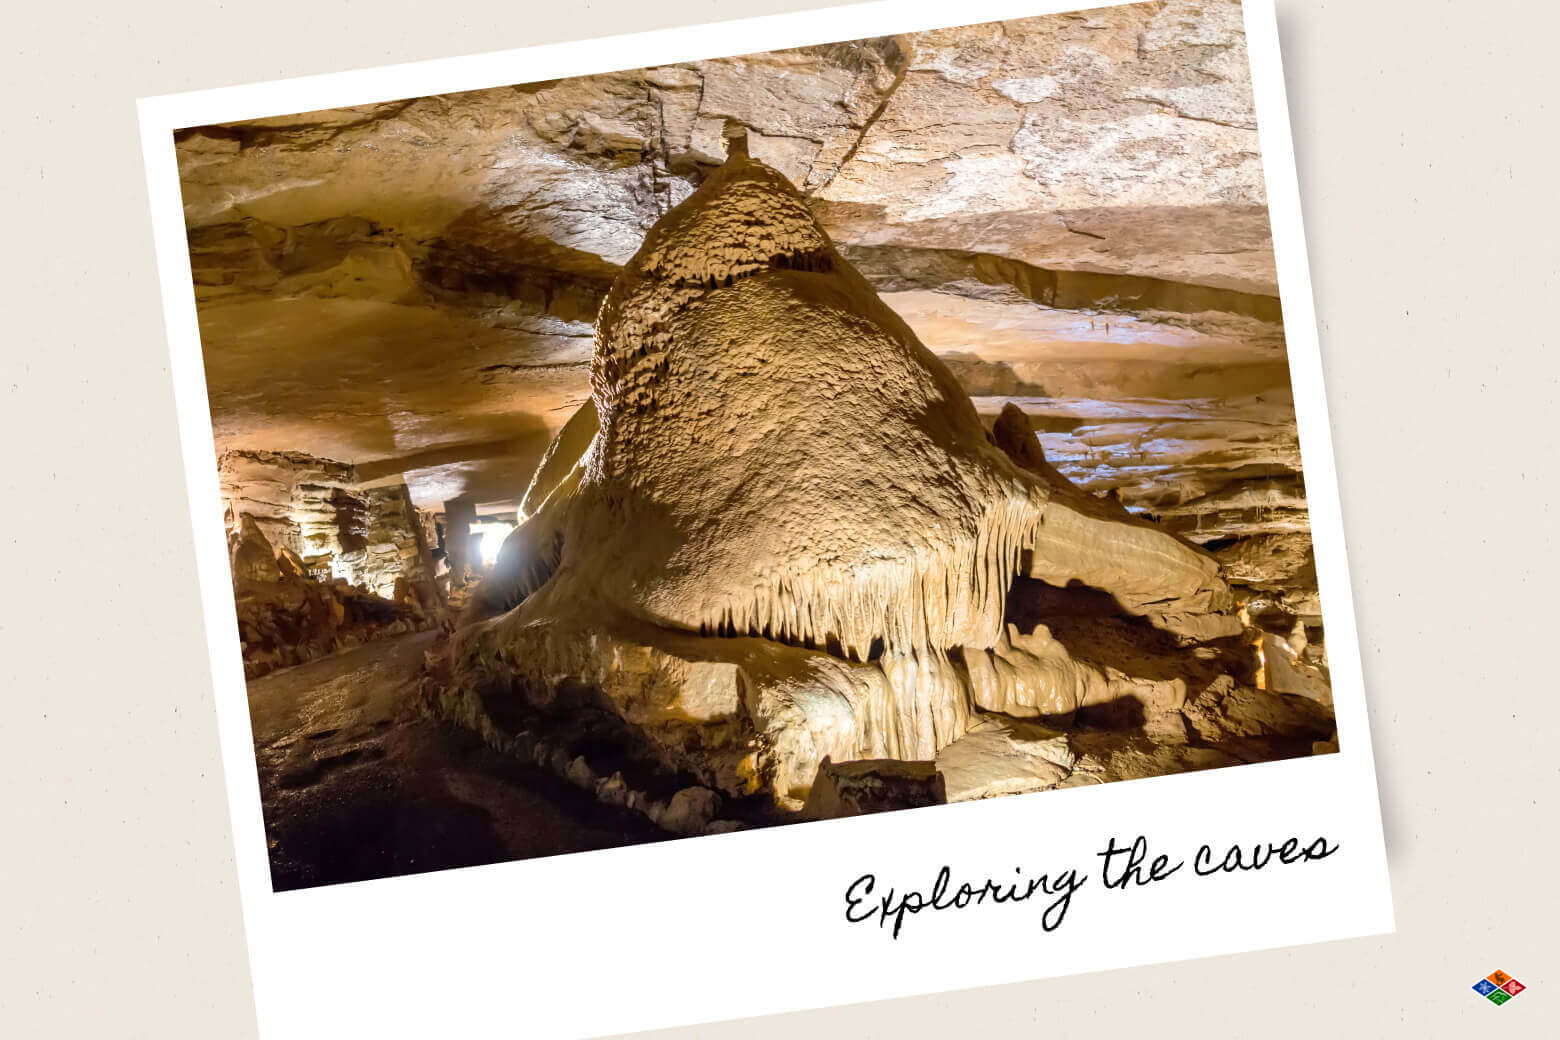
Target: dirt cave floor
x: 356, y: 784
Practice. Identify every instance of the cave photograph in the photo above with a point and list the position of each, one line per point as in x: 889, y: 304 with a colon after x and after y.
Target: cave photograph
x: 759, y: 440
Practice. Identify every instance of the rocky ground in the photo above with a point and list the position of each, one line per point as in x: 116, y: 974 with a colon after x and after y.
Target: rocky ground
x: 288, y: 615
x: 359, y: 780
x: 1194, y: 715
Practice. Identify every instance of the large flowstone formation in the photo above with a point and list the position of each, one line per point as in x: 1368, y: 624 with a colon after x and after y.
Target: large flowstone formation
x: 778, y: 536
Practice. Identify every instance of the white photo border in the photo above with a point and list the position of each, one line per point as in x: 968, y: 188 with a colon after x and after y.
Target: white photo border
x: 750, y: 923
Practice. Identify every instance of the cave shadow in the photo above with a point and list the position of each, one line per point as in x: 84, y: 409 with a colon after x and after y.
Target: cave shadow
x: 1091, y: 624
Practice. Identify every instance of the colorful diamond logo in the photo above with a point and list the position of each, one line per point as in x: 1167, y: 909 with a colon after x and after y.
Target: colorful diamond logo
x: 1497, y: 987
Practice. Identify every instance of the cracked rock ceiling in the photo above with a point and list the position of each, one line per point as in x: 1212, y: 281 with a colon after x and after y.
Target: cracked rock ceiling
x: 1069, y: 209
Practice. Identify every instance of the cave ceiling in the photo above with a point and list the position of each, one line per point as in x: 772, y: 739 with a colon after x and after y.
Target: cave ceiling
x: 1069, y: 210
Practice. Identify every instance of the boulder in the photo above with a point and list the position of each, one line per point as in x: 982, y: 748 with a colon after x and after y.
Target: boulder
x: 690, y: 810
x: 1289, y: 672
x: 858, y: 788
x: 254, y: 559
x: 1000, y: 756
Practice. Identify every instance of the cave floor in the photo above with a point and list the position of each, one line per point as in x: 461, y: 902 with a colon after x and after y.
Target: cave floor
x: 356, y: 784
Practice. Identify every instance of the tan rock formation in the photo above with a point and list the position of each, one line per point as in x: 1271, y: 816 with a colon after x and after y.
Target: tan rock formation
x: 999, y: 756
x: 254, y: 558
x: 319, y: 561
x: 318, y: 511
x: 787, y: 525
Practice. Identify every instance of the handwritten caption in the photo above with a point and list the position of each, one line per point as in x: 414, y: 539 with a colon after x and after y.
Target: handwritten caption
x: 1121, y: 867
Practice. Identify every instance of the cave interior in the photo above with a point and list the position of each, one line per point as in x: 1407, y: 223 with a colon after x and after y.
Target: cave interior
x: 719, y: 445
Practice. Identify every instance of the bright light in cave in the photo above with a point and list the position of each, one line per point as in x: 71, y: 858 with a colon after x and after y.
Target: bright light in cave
x: 490, y: 538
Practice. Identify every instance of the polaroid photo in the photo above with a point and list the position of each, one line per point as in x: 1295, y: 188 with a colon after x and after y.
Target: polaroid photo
x: 765, y: 515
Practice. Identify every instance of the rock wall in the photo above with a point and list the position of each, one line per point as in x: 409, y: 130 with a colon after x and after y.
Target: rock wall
x: 369, y: 537
x: 320, y: 563
x: 396, y: 549
x: 291, y: 497
x: 286, y: 617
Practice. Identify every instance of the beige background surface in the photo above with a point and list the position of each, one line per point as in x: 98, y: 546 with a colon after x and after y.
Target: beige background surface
x: 1426, y: 145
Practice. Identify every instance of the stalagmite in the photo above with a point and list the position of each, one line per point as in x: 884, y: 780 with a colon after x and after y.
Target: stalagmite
x: 779, y: 533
